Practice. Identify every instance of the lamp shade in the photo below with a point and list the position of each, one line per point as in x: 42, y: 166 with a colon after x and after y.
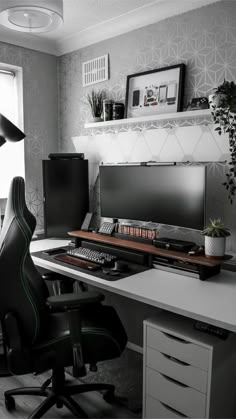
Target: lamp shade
x: 9, y: 131
x: 34, y: 16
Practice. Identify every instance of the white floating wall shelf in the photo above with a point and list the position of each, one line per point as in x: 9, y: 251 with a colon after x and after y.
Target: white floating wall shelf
x: 170, y: 120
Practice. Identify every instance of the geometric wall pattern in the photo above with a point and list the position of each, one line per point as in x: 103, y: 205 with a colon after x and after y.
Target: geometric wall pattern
x: 203, y: 39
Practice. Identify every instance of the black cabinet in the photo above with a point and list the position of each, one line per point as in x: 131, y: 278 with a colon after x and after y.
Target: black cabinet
x: 66, y: 195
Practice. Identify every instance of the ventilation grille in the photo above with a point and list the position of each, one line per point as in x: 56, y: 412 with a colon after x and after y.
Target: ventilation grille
x: 95, y: 71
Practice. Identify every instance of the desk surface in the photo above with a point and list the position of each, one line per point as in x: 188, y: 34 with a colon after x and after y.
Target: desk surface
x: 212, y: 301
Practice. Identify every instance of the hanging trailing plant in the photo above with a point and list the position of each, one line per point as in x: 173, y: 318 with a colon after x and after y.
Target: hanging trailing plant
x: 222, y: 108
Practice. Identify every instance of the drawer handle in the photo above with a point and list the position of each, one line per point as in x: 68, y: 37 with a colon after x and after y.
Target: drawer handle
x: 173, y: 410
x: 173, y: 381
x: 175, y: 337
x: 171, y: 358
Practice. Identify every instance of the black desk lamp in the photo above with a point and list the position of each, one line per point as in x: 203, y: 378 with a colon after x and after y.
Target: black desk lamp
x: 9, y: 131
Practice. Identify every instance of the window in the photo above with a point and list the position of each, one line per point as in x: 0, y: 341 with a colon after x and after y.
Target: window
x: 11, y: 106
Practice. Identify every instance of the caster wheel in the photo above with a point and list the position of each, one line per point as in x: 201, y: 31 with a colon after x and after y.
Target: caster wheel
x: 10, y: 403
x: 109, y: 396
x: 59, y: 405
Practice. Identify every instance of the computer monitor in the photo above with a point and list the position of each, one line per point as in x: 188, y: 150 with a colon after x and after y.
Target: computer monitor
x: 165, y: 194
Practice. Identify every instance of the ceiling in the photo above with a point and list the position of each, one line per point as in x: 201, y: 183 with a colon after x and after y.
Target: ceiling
x: 89, y: 21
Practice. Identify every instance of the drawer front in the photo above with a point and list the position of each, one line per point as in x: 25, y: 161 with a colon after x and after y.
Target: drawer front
x: 179, y: 370
x: 184, y: 399
x: 178, y: 348
x: 158, y: 410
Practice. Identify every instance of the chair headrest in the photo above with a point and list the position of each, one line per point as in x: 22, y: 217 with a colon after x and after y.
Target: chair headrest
x: 16, y: 205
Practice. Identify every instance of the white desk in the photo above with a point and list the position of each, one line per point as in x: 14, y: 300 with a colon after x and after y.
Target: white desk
x: 212, y: 301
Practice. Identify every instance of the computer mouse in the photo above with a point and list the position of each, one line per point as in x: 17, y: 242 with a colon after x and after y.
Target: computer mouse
x: 120, y: 266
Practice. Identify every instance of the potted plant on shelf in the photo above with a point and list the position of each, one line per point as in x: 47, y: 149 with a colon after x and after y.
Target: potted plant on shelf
x: 223, y: 109
x: 95, y: 102
x: 215, y: 237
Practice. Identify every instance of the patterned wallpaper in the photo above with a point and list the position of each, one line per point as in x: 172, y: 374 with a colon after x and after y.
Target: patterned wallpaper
x: 205, y: 40
x: 40, y: 116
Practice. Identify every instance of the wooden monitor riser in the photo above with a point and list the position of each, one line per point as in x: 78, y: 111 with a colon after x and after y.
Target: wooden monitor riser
x: 145, y: 248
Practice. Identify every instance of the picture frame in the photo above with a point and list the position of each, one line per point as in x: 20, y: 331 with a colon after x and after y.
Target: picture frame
x: 154, y: 92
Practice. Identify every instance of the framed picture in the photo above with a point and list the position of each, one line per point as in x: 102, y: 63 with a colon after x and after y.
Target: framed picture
x: 155, y: 92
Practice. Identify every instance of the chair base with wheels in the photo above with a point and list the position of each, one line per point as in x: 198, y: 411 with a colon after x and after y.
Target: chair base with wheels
x: 58, y: 394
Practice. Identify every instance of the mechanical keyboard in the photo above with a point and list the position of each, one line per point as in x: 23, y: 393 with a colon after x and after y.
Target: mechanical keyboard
x: 104, y: 259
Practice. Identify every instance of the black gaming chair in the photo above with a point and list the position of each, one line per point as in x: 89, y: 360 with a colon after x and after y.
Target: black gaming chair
x: 48, y: 333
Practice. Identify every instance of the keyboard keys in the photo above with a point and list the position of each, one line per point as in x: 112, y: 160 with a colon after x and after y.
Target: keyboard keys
x: 104, y: 259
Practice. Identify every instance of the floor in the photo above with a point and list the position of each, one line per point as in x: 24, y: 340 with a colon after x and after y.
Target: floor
x: 93, y: 403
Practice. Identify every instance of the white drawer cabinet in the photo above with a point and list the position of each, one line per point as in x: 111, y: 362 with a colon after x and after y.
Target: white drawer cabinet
x: 184, y: 399
x: 176, y: 369
x: 177, y: 347
x: 156, y: 409
x: 187, y: 373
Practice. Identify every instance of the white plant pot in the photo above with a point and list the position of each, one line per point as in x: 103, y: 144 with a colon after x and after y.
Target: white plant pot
x: 96, y: 119
x: 215, y: 246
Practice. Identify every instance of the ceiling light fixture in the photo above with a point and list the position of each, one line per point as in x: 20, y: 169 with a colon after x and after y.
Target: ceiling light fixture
x: 31, y: 15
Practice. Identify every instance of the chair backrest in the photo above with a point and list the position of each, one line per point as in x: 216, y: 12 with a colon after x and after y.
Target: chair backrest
x: 22, y: 291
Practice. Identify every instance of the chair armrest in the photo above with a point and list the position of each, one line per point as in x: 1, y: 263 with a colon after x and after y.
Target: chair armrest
x: 64, y: 284
x: 73, y: 301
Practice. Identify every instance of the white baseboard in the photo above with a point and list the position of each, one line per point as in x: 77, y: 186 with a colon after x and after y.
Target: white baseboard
x: 134, y: 347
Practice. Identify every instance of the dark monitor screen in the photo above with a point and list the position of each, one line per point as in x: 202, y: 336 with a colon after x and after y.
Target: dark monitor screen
x: 165, y: 194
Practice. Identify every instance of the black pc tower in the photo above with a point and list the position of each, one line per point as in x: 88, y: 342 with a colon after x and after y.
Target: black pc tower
x: 66, y: 195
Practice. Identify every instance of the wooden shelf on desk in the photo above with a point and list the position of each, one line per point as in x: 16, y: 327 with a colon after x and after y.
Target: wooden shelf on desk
x: 146, y: 248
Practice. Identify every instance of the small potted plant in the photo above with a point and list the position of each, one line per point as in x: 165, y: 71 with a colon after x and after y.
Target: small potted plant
x: 215, y: 236
x: 95, y: 101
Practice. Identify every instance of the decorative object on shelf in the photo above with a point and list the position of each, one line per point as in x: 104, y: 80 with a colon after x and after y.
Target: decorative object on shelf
x: 34, y: 16
x: 223, y: 108
x: 138, y: 231
x: 155, y: 92
x: 95, y: 101
x: 215, y: 237
x: 198, y: 103
x: 107, y: 109
x: 118, y: 110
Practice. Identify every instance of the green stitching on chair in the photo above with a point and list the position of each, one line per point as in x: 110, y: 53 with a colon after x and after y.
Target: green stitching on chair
x: 26, y: 289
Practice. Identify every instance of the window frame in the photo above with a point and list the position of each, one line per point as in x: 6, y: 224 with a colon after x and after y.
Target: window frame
x: 19, y: 110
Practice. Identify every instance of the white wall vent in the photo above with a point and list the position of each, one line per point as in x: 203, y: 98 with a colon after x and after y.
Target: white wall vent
x: 95, y: 71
